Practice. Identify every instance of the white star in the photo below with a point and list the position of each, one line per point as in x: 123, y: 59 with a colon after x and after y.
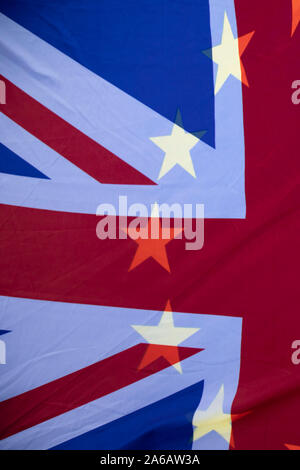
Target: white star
x: 177, y: 148
x: 227, y: 56
x: 213, y: 419
x: 166, y: 333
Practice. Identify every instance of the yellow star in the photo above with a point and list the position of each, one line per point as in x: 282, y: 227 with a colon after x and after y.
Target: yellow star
x: 177, y: 148
x: 228, y: 56
x: 165, y: 334
x: 213, y: 419
x: 296, y: 15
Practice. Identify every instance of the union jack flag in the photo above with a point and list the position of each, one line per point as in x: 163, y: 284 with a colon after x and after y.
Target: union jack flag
x: 141, y: 344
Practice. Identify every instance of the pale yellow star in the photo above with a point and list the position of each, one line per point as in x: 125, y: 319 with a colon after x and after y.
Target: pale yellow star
x: 213, y: 419
x: 177, y: 148
x: 227, y: 56
x: 164, y: 334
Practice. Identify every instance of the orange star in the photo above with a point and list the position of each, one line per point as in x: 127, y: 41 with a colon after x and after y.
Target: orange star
x: 292, y: 447
x: 149, y: 247
x: 243, y: 43
x: 296, y: 15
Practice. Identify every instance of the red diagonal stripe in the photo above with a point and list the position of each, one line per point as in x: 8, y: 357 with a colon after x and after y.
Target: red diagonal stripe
x: 80, y: 387
x: 68, y: 141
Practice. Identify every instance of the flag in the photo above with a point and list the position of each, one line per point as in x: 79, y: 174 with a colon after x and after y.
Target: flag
x: 125, y: 343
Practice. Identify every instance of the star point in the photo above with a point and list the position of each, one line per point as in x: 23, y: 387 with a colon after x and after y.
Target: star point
x: 292, y: 447
x: 295, y: 15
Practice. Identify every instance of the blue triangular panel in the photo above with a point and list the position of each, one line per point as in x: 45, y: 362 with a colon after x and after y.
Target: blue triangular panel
x: 3, y: 332
x: 163, y: 425
x: 151, y: 49
x: 12, y: 164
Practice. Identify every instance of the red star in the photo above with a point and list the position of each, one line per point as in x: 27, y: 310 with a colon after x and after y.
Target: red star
x: 150, y: 247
